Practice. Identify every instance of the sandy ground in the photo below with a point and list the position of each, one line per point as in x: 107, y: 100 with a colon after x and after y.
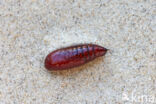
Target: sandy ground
x: 30, y: 29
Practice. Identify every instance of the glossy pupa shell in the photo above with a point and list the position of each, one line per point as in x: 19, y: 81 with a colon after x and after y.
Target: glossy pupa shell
x: 73, y: 56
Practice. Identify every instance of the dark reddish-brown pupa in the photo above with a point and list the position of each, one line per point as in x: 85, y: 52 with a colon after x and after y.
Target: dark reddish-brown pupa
x: 73, y: 56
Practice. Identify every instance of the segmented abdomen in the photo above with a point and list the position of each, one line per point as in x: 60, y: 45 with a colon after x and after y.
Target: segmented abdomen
x: 73, y: 56
x: 84, y: 52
